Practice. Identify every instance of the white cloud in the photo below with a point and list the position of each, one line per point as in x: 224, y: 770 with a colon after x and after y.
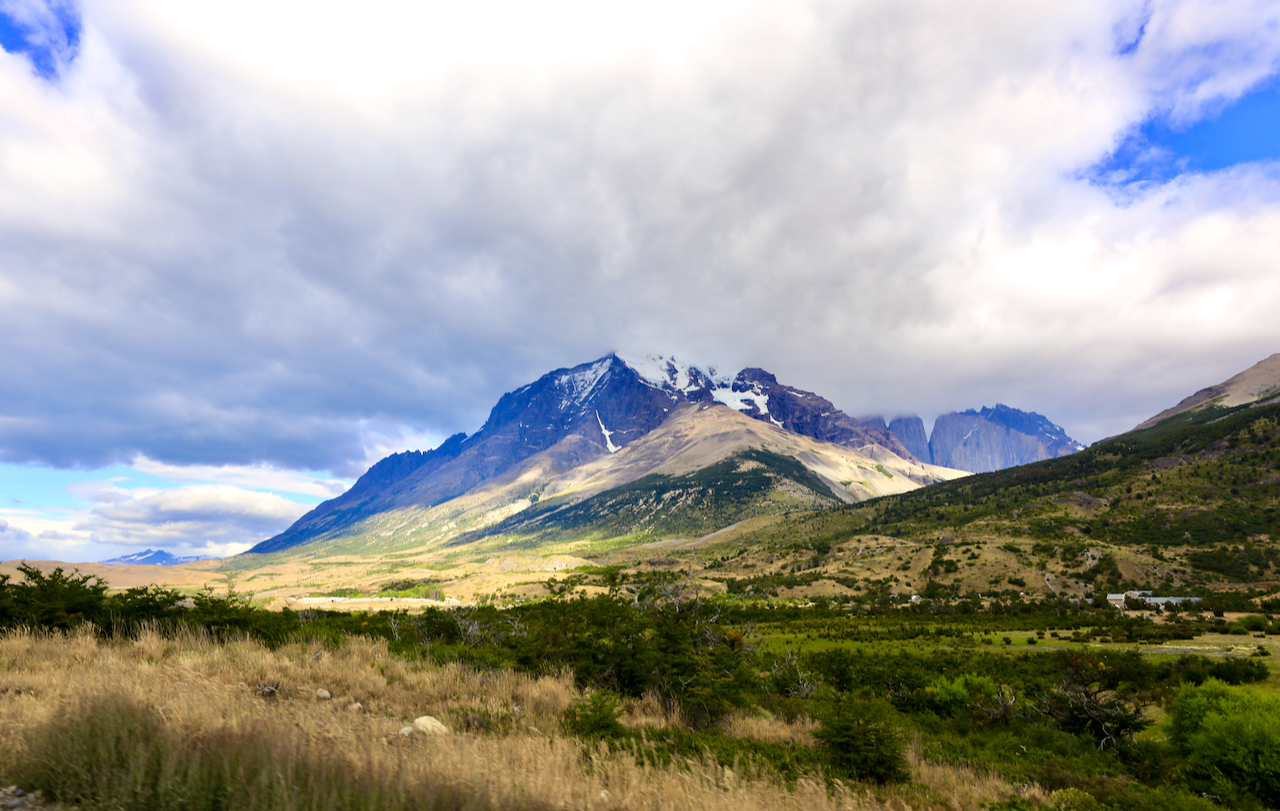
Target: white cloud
x: 214, y: 520
x: 189, y: 517
x: 263, y: 237
x: 255, y: 477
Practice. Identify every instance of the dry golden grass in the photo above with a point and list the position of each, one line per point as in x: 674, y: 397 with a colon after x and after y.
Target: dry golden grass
x: 772, y: 730
x: 521, y: 760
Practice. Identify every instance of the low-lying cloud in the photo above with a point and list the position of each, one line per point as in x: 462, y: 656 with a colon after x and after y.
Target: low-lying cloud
x: 241, y: 235
x: 197, y: 519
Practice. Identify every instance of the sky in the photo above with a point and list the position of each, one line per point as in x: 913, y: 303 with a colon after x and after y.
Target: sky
x: 249, y: 248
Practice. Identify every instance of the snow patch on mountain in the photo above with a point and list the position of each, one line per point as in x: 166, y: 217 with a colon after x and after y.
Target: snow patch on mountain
x: 742, y: 400
x: 577, y: 386
x: 608, y: 442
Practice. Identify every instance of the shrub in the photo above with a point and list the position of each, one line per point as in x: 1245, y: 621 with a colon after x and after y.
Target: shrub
x: 1254, y: 623
x: 860, y: 740
x: 56, y: 600
x: 947, y: 697
x: 594, y: 717
x: 1230, y: 737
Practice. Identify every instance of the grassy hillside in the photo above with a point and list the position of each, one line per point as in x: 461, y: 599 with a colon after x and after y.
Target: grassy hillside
x: 1189, y: 502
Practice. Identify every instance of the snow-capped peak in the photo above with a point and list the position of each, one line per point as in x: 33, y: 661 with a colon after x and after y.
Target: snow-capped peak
x: 668, y: 374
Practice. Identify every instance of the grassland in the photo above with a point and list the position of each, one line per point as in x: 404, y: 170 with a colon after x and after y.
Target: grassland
x: 197, y: 697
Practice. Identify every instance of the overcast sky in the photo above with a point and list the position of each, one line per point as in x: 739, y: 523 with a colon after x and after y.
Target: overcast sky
x: 249, y: 247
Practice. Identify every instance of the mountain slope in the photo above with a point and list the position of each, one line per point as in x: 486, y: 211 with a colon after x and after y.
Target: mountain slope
x: 1258, y: 384
x: 604, y: 403
x: 981, y: 441
x: 910, y: 430
x: 666, y: 484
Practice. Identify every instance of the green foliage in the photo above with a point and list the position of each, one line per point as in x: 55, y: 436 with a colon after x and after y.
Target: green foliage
x: 1235, y: 670
x: 595, y: 716
x: 1102, y: 697
x: 664, y: 745
x: 57, y: 600
x: 1230, y: 737
x: 861, y: 740
x: 950, y: 696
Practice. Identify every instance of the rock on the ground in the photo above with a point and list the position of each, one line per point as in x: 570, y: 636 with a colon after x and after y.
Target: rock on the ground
x: 429, y: 725
x: 323, y: 694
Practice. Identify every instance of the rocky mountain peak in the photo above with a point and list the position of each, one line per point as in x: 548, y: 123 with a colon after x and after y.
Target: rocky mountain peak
x: 982, y: 440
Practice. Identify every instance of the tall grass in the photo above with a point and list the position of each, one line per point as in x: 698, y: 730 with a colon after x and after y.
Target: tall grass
x: 111, y: 751
x: 173, y: 722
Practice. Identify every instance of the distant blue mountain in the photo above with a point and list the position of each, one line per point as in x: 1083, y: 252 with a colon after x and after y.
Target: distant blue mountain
x: 158, y: 557
x: 982, y: 441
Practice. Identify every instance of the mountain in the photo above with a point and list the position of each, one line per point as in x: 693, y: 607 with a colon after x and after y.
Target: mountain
x: 704, y: 468
x: 148, y: 557
x: 1257, y: 385
x: 981, y: 441
x: 571, y: 419
x: 996, y: 438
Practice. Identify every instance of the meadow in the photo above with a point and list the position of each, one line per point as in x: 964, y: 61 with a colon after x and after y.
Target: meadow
x: 645, y: 696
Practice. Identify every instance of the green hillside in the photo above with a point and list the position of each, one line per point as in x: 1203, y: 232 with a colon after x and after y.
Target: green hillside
x: 1187, y: 502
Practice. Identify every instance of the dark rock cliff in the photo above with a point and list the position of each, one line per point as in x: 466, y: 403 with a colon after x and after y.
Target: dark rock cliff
x: 910, y: 431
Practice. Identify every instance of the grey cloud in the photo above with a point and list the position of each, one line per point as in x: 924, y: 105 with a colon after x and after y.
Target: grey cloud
x: 248, y: 274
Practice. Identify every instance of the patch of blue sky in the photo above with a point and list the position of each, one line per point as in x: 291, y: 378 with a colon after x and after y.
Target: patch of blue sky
x: 35, y: 487
x: 47, y: 34
x: 46, y: 488
x: 1247, y: 131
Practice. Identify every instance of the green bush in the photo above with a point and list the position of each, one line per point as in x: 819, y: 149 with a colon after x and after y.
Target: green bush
x: 1230, y: 737
x: 860, y: 739
x: 595, y: 716
x: 949, y: 696
x: 57, y: 600
x: 1255, y: 623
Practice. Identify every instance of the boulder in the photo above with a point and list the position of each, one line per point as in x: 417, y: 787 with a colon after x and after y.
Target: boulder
x: 429, y: 725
